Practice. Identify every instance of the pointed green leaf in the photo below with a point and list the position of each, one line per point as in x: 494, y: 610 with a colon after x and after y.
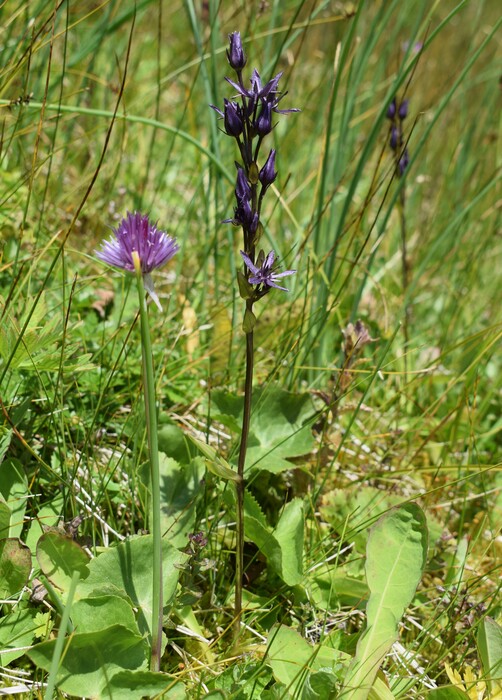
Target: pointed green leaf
x: 14, y: 489
x: 447, y: 692
x: 396, y: 553
x: 489, y: 641
x: 249, y: 321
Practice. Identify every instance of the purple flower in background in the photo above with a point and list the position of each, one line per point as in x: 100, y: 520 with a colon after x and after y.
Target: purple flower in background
x: 394, y: 137
x: 397, y: 113
x: 403, y: 109
x: 391, y: 111
x: 403, y: 162
x: 235, y: 53
x: 136, y: 234
x: 264, y: 274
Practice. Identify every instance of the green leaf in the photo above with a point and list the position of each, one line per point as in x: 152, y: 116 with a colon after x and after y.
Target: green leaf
x: 292, y: 658
x: 134, y: 685
x: 90, y: 660
x: 40, y: 347
x: 5, y: 515
x: 289, y: 537
x: 15, y: 566
x: 14, y: 489
x: 489, y: 642
x: 58, y: 557
x: 396, y: 553
x: 95, y: 614
x: 17, y: 629
x: 249, y: 321
x: 245, y: 289
x: 5, y: 440
x: 447, y: 692
x: 128, y: 568
x: 174, y: 443
x: 179, y: 490
x: 215, y: 464
x: 280, y: 426
x: 350, y: 509
x: 332, y: 588
x: 47, y: 516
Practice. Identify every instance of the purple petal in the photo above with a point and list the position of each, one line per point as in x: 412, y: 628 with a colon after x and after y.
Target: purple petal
x: 250, y: 265
x: 242, y: 91
x: 286, y: 273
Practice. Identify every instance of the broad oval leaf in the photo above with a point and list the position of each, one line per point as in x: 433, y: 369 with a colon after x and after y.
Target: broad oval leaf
x: 15, y: 566
x: 58, y: 557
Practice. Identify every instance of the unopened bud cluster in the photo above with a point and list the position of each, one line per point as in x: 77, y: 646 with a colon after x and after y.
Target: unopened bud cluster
x: 248, y: 118
x: 397, y: 113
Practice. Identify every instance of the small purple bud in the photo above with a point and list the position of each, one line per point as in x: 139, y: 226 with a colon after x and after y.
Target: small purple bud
x: 268, y: 173
x: 403, y: 162
x: 242, y: 188
x: 235, y: 53
x: 394, y: 137
x: 391, y: 111
x: 403, y: 109
x: 263, y: 124
x: 232, y: 119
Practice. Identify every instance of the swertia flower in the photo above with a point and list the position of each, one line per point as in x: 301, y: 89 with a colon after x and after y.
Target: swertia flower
x: 263, y: 273
x: 137, y: 237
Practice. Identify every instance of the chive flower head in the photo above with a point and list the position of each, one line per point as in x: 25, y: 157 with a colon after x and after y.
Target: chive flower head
x: 136, y: 234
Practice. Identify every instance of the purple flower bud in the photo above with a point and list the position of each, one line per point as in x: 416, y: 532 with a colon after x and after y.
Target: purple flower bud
x: 403, y: 109
x: 391, y: 111
x: 268, y: 173
x: 403, y: 162
x: 242, y: 188
x: 235, y: 53
x: 394, y: 137
x: 263, y: 124
x: 232, y: 118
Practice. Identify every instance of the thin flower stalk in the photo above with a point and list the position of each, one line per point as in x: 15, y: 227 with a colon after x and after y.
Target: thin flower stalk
x: 138, y: 246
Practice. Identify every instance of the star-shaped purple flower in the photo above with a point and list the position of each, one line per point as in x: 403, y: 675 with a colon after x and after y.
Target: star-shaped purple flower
x: 136, y: 234
x: 264, y: 274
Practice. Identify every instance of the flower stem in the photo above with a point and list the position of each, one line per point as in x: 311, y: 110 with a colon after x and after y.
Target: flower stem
x: 239, y: 484
x: 405, y: 272
x: 151, y: 426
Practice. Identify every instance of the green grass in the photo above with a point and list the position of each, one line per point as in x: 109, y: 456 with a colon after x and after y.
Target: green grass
x: 105, y: 108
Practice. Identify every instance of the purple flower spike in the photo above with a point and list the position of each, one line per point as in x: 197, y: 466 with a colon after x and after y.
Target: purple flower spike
x: 136, y: 234
x: 265, y: 274
x: 235, y: 53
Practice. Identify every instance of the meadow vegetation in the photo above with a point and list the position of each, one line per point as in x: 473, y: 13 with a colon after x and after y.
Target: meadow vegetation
x: 372, y: 498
